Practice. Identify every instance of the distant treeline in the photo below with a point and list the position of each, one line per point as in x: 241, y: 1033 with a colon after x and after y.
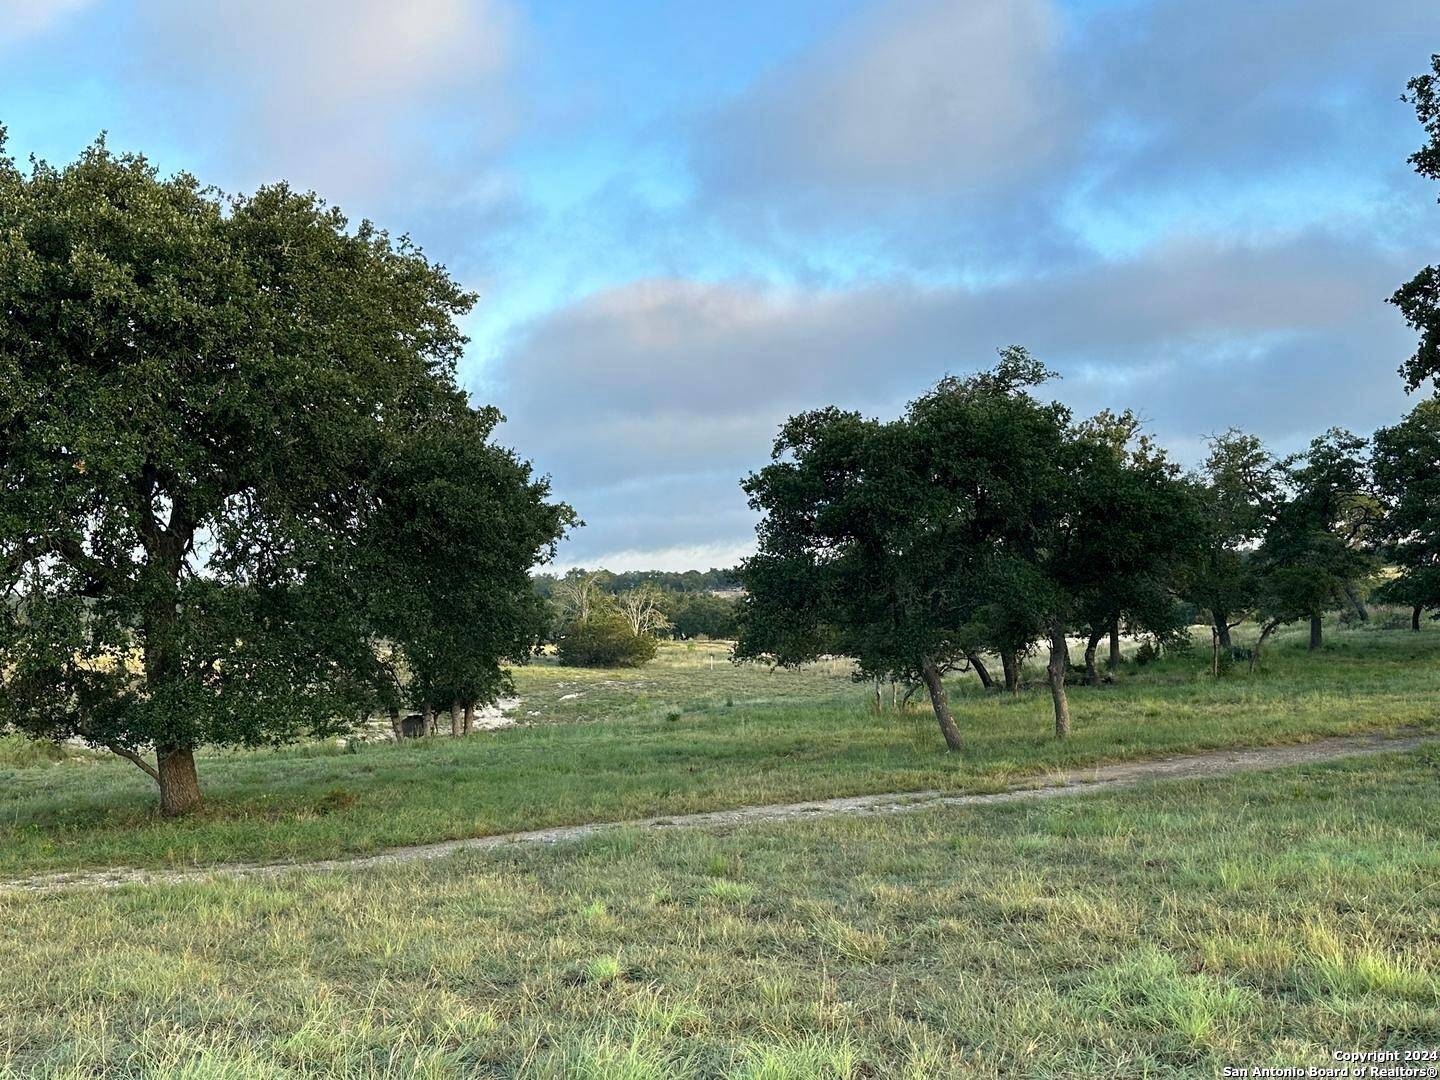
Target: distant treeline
x: 667, y: 581
x: 695, y: 603
x: 682, y: 581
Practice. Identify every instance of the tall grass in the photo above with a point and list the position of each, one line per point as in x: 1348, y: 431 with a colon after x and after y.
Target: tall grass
x: 944, y: 943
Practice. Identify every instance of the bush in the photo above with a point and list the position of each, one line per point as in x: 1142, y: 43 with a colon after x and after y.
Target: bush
x: 705, y: 615
x: 19, y: 751
x: 604, y: 641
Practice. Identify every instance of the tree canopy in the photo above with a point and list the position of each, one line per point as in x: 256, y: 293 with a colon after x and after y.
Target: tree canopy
x: 595, y: 628
x: 1316, y: 550
x: 1419, y: 298
x: 1239, y: 487
x: 212, y: 409
x: 1406, y: 467
x: 981, y: 519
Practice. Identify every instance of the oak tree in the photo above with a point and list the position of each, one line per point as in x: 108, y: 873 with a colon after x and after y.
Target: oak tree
x: 1316, y: 552
x: 1239, y: 487
x: 1405, y: 461
x: 910, y: 544
x: 202, y: 403
x: 1419, y: 298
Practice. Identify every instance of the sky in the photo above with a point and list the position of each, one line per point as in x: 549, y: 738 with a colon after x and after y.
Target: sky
x: 688, y: 221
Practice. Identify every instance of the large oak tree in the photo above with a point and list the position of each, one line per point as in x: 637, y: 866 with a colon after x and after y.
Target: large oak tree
x: 206, y: 406
x: 909, y: 544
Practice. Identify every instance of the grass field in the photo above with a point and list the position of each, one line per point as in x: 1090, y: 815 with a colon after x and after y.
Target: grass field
x: 689, y: 732
x: 1157, y: 932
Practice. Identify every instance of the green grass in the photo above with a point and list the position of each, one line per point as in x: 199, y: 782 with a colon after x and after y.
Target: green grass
x: 691, y: 732
x: 1162, y: 932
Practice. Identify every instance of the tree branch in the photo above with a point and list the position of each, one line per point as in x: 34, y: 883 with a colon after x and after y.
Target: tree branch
x: 98, y: 573
x: 130, y: 755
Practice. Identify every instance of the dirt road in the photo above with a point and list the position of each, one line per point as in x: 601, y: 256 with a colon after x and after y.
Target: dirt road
x: 1052, y: 786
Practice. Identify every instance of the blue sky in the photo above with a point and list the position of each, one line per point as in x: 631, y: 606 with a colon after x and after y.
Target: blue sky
x: 687, y: 221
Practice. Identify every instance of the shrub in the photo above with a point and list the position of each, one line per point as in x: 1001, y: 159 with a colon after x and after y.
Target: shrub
x: 19, y: 752
x: 604, y: 641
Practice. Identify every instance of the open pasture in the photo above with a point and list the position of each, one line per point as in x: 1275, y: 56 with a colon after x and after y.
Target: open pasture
x: 693, y: 732
x: 1157, y: 932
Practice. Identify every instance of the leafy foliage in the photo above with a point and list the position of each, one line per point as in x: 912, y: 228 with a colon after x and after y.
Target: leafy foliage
x: 443, y: 568
x: 1239, y: 489
x: 595, y: 631
x: 1406, y: 466
x: 1315, y: 552
x: 1419, y: 298
x: 232, y: 452
x: 1133, y: 542
x: 604, y: 640
x: 701, y: 615
x: 982, y: 518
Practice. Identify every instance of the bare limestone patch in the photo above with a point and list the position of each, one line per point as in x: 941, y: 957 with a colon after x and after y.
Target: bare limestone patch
x: 1214, y: 763
x: 492, y: 717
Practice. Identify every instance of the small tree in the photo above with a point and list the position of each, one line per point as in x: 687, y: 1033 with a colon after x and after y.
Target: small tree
x: 1143, y: 500
x: 576, y: 597
x: 1238, y: 491
x: 1406, y: 467
x: 591, y: 628
x: 1121, y: 541
x: 1314, y: 556
x: 469, y: 521
x: 604, y: 640
x: 641, y: 610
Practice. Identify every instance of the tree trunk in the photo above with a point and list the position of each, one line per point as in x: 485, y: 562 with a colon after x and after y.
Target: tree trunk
x: 1356, y: 604
x: 1317, y: 632
x: 980, y: 670
x: 1092, y: 673
x: 179, y: 783
x: 1222, y: 629
x: 174, y: 765
x: 469, y: 716
x: 429, y: 712
x: 1415, y: 617
x: 941, y: 703
x: 395, y: 722
x: 457, y: 719
x: 1010, y: 662
x: 1114, y: 661
x: 1265, y: 632
x: 1059, y: 661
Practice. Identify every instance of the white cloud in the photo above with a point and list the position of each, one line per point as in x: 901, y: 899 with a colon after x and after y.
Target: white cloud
x: 683, y: 557
x: 20, y: 19
x: 916, y: 97
x: 648, y: 402
x: 336, y: 94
